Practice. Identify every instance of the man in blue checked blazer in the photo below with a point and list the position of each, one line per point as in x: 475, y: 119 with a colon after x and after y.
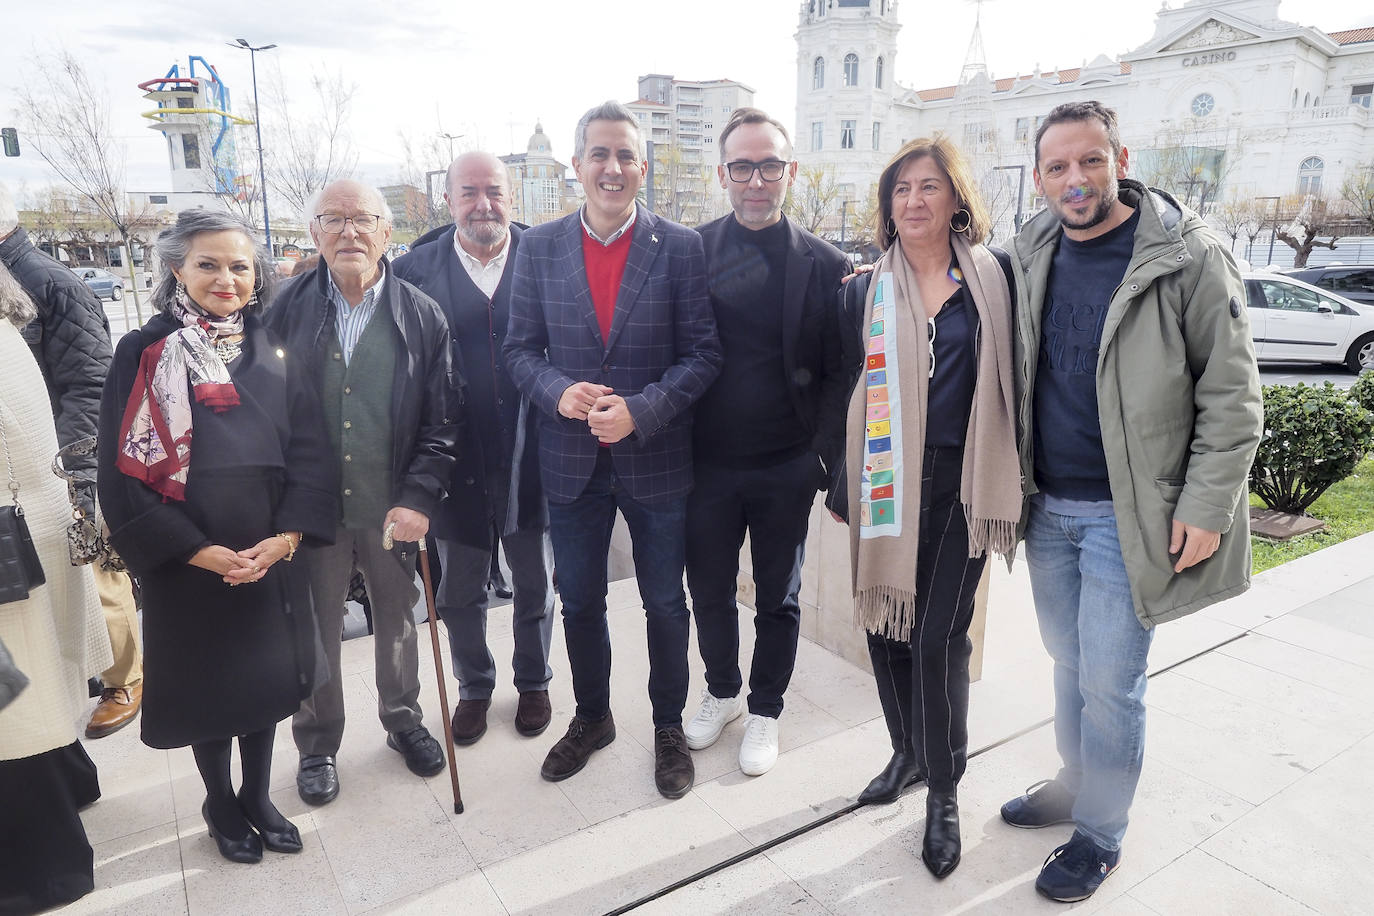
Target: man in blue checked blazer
x: 613, y: 339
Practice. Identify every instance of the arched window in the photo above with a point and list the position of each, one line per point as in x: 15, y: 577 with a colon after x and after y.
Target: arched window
x: 1310, y: 175
x: 878, y: 73
x: 851, y: 69
x: 1295, y: 98
x: 818, y: 73
x: 1306, y: 99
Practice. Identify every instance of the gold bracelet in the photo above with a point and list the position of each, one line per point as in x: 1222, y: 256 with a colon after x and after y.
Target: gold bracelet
x: 290, y: 546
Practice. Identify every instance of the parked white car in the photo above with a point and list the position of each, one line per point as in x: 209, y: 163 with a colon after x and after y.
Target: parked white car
x: 1293, y: 321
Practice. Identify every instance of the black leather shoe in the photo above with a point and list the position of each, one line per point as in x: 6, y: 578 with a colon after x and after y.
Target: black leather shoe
x: 317, y: 780
x: 572, y: 750
x: 287, y: 839
x: 246, y: 851
x: 941, y: 846
x: 1045, y: 804
x: 900, y: 773
x: 424, y: 756
x: 673, y: 767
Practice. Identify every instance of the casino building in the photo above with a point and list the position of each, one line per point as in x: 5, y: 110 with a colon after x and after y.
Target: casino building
x: 1225, y: 101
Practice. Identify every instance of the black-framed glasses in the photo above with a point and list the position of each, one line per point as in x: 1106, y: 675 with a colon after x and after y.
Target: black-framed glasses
x: 333, y: 223
x: 742, y: 170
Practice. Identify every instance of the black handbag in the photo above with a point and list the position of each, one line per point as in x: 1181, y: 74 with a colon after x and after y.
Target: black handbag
x: 20, y: 569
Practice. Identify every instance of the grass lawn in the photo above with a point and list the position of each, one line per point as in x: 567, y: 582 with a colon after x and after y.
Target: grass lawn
x: 1347, y: 508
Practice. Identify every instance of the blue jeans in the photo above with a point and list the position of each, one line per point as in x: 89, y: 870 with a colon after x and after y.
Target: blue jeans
x: 581, y: 535
x: 1100, y: 651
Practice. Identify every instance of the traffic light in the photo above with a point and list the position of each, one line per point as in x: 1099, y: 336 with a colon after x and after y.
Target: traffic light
x: 11, y: 138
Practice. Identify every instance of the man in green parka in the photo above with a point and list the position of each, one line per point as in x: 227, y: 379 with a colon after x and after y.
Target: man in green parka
x: 1139, y: 413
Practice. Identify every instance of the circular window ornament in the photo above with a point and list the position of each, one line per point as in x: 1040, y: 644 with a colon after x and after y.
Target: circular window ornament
x: 1203, y: 105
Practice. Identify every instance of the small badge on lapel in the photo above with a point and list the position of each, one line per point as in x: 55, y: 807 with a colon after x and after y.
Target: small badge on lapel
x: 653, y: 238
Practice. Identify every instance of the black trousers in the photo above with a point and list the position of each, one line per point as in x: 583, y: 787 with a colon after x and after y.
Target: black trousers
x: 923, y: 681
x: 773, y: 504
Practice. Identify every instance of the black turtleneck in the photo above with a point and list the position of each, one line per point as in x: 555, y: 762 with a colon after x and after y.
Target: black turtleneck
x: 746, y: 418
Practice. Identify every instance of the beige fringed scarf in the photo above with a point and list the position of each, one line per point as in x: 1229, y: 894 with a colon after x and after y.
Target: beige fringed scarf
x: 886, y: 427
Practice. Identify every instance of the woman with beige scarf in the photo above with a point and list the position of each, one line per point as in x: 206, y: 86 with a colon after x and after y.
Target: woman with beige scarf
x: 933, y: 481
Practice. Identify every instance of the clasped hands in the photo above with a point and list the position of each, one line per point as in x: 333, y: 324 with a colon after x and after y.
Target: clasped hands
x: 247, y: 565
x: 606, y: 413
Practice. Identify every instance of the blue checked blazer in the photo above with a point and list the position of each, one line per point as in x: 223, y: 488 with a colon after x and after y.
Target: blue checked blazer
x: 661, y: 355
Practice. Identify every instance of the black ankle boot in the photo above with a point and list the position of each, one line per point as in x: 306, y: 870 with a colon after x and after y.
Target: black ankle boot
x: 941, y: 847
x: 885, y: 788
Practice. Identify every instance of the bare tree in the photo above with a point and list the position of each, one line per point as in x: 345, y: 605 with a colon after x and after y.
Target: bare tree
x: 306, y: 142
x: 1190, y: 160
x: 1357, y: 193
x: 419, y: 158
x: 1312, y: 218
x: 682, y: 187
x: 67, y: 121
x: 814, y: 197
x: 1238, y: 217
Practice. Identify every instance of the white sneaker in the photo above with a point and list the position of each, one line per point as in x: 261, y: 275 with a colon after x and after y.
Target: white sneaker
x: 711, y: 719
x: 759, y: 749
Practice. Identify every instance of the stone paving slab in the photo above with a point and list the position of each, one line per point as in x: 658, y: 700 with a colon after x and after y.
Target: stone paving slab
x: 1260, y: 739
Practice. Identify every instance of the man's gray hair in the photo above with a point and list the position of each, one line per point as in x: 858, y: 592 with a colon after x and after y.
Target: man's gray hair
x: 312, y: 205
x: 15, y: 304
x: 9, y: 216
x: 606, y: 111
x: 174, y: 242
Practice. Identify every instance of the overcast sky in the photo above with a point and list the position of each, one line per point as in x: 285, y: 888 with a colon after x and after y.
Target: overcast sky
x: 488, y: 70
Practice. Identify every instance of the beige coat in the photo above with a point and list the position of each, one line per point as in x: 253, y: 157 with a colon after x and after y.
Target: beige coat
x: 57, y: 635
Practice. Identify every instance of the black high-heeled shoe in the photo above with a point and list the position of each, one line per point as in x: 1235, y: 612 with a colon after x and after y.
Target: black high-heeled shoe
x: 941, y: 846
x: 288, y: 840
x: 885, y: 788
x: 246, y: 851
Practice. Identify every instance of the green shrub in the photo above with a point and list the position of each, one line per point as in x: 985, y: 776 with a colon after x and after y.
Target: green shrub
x: 1362, y: 392
x: 1313, y: 438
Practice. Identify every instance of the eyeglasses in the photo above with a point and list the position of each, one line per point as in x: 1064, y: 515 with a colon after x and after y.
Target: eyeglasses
x: 742, y: 170
x: 333, y: 223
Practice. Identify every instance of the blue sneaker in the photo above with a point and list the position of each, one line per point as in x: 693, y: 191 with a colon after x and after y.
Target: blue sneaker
x: 1075, y: 870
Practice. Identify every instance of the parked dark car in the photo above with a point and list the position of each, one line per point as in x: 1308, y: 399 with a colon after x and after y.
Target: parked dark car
x: 1353, y: 281
x: 103, y: 283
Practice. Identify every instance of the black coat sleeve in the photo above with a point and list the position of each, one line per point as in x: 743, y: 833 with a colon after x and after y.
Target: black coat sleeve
x: 146, y: 530
x: 310, y: 500
x: 835, y: 383
x: 852, y: 300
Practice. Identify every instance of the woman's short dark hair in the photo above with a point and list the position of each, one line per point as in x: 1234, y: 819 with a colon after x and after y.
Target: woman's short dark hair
x: 956, y: 168
x: 175, y: 241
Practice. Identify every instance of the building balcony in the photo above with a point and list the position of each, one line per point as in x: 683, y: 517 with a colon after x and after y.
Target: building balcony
x: 1344, y: 112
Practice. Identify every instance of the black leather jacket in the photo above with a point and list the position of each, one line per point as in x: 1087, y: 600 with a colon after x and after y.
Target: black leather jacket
x: 424, y: 405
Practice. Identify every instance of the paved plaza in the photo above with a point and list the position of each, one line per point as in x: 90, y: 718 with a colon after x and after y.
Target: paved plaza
x: 1255, y: 798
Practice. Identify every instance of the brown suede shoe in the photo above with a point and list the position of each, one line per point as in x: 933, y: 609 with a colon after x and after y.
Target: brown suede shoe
x: 572, y: 750
x: 533, y: 713
x: 117, y: 708
x: 673, y: 768
x: 470, y: 721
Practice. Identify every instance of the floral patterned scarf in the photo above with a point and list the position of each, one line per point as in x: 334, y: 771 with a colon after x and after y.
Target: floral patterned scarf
x: 155, y: 434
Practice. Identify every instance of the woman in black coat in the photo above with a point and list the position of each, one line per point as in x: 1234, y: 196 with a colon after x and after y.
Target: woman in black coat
x: 214, y: 466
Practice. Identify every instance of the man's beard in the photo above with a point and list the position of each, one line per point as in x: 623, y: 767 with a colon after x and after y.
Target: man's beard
x: 1099, y: 212
x: 483, y: 231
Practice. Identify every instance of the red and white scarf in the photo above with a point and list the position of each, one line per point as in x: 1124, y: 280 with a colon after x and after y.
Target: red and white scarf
x: 155, y: 434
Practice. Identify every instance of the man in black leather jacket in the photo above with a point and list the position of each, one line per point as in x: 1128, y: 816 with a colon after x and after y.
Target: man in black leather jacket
x: 378, y: 349
x: 70, y: 339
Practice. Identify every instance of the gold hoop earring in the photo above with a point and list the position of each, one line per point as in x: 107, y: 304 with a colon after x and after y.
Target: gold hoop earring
x: 968, y: 220
x: 891, y: 228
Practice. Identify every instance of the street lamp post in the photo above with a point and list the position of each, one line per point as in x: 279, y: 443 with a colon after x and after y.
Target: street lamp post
x: 1273, y: 226
x: 257, y: 124
x: 844, y: 208
x: 1020, y: 191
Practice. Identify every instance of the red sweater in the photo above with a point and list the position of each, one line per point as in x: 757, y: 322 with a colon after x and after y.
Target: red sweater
x: 605, y: 266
